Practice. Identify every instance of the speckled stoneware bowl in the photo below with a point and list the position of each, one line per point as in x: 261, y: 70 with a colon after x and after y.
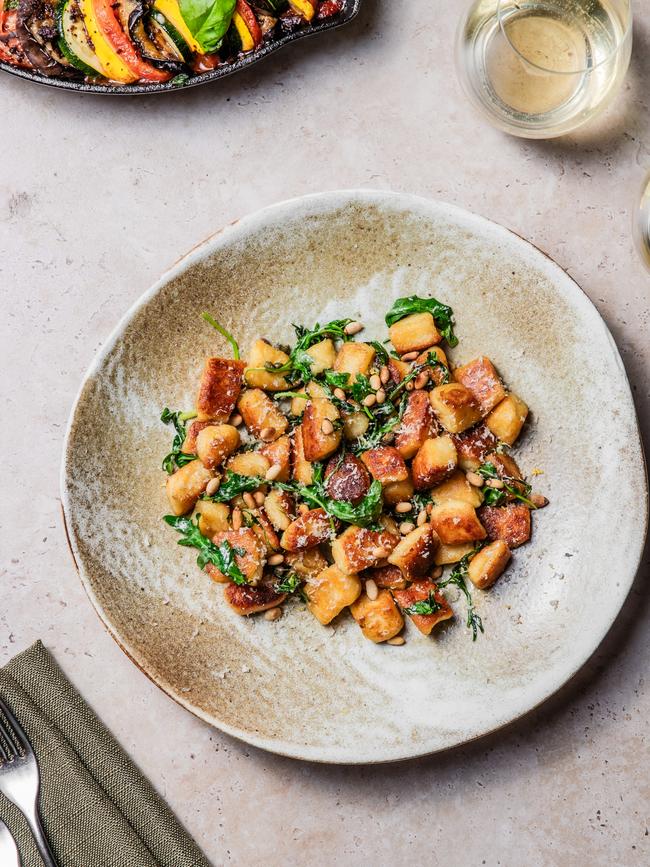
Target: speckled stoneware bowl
x: 326, y: 693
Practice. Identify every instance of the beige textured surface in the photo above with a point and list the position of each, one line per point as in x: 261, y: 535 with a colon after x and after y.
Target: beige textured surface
x: 96, y: 197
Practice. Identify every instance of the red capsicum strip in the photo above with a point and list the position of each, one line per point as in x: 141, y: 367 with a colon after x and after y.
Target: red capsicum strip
x: 112, y: 30
x: 250, y: 21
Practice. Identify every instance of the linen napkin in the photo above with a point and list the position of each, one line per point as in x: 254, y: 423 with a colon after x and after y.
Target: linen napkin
x: 97, y: 809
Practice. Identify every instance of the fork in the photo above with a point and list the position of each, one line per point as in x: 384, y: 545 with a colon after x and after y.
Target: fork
x: 8, y: 850
x: 20, y: 778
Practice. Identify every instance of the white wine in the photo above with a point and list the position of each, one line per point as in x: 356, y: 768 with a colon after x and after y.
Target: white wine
x: 541, y: 68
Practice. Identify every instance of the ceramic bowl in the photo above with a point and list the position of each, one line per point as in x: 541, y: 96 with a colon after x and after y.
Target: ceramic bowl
x: 326, y: 693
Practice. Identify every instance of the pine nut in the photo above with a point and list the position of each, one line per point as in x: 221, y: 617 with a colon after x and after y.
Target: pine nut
x: 275, y: 559
x: 273, y: 614
x: 384, y: 375
x: 422, y: 517
x: 538, y: 500
x: 259, y: 498
x: 212, y: 487
x: 406, y: 527
x: 249, y: 499
x: 410, y: 356
x: 370, y: 400
x: 381, y: 396
x: 273, y: 472
x: 437, y: 573
x: 495, y: 483
x: 388, y: 438
x: 267, y: 433
x: 303, y: 508
x: 409, y: 385
x: 339, y: 393
x: 404, y: 506
x: 353, y: 328
x: 236, y: 518
x: 327, y: 427
x: 372, y: 591
x: 429, y: 508
x: 378, y: 553
x: 398, y: 641
x: 375, y: 381
x: 474, y: 479
x: 236, y: 420
x: 421, y: 379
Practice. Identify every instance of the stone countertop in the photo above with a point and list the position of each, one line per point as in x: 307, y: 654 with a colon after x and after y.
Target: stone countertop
x: 98, y: 196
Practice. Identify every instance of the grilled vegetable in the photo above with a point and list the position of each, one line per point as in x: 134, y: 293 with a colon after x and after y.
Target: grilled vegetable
x: 247, y: 27
x: 74, y: 41
x: 168, y: 14
x: 111, y: 22
x: 37, y: 31
x: 156, y: 44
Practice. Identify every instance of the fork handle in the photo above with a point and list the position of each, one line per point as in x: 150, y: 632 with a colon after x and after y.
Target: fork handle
x: 34, y: 821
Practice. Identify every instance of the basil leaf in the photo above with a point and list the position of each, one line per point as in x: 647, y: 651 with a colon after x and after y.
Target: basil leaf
x: 222, y: 555
x: 207, y: 20
x: 443, y: 314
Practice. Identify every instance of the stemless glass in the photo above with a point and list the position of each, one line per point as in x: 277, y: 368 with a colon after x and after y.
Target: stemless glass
x: 541, y: 68
x: 641, y: 226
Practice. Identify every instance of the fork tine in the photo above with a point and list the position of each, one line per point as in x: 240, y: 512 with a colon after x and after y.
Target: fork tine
x: 15, y: 728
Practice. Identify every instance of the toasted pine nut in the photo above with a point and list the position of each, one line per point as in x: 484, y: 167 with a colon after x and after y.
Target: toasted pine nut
x: 370, y: 400
x: 353, y: 328
x: 398, y: 641
x: 495, y: 483
x: 384, y: 375
x: 339, y: 393
x: 404, y: 506
x: 381, y: 395
x: 421, y: 379
x: 538, y: 500
x: 372, y: 591
x: 378, y: 553
x: 249, y: 499
x: 410, y: 356
x: 437, y: 573
x: 273, y: 472
x: 409, y: 385
x: 375, y: 381
x: 236, y: 518
x: 388, y: 438
x: 236, y: 420
x: 474, y: 479
x: 422, y: 517
x: 275, y: 559
x: 429, y: 508
x: 273, y: 614
x: 259, y: 498
x: 303, y: 508
x: 267, y: 433
x: 212, y: 487
x: 327, y: 427
x: 406, y: 527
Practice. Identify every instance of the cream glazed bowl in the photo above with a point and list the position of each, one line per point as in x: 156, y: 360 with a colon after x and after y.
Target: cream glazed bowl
x: 293, y: 686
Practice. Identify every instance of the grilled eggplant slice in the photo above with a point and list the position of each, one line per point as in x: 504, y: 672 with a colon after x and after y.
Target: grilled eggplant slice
x: 38, y: 33
x: 155, y: 44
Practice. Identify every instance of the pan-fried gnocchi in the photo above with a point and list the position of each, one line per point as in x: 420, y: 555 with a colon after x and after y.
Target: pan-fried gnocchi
x: 344, y: 476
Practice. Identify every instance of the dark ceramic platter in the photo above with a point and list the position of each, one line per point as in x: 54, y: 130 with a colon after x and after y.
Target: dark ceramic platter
x: 347, y: 14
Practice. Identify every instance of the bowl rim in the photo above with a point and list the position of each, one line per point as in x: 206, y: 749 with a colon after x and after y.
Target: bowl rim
x: 337, y: 755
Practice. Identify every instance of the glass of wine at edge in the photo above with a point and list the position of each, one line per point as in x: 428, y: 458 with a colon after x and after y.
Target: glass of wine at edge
x: 542, y: 68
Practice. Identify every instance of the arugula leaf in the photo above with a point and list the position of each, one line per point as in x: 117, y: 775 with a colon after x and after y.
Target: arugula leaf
x: 360, y: 387
x: 288, y: 583
x: 284, y: 395
x: 457, y: 578
x: 442, y: 314
x: 384, y: 420
x: 424, y: 606
x: 208, y: 21
x: 231, y: 340
x: 234, y: 484
x: 335, y: 379
x: 431, y: 361
x: 222, y: 555
x: 364, y: 514
x: 496, y: 496
x: 298, y: 367
x: 380, y: 349
x: 176, y: 458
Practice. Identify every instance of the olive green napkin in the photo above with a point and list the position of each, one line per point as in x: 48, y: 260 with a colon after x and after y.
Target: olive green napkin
x: 97, y: 808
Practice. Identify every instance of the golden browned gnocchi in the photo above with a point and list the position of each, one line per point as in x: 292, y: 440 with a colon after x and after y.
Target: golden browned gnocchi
x: 349, y: 475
